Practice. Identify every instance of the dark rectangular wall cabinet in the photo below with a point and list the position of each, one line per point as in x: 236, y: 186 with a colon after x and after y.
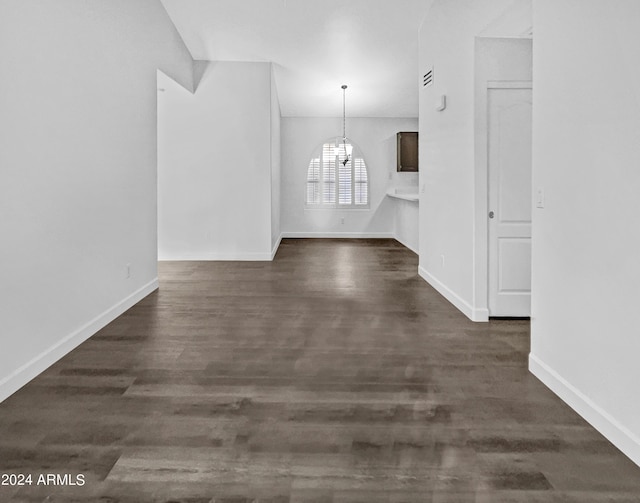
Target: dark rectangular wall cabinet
x: 407, y: 148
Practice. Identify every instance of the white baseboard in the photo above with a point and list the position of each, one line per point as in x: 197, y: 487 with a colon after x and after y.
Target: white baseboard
x: 258, y: 256
x: 616, y: 433
x: 348, y: 235
x: 18, y: 378
x: 406, y: 245
x: 467, y: 309
x: 222, y: 257
x: 332, y: 235
x: 275, y: 247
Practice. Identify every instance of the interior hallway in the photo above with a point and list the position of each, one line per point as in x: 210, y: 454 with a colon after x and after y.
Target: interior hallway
x: 332, y: 374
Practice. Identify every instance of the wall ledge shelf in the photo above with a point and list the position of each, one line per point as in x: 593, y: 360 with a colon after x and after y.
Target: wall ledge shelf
x: 406, y: 194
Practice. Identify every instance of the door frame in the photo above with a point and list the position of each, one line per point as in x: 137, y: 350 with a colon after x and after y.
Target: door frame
x: 497, y: 85
x: 481, y: 204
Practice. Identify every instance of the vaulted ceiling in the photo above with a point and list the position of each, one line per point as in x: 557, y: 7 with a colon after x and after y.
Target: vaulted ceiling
x: 316, y: 46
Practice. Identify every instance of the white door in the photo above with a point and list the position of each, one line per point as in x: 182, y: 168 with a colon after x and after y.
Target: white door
x: 510, y: 204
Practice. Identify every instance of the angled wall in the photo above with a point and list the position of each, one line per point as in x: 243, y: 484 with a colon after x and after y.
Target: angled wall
x: 77, y: 169
x: 276, y: 165
x: 216, y: 156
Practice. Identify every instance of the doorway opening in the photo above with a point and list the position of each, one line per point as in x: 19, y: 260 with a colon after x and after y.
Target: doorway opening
x: 503, y: 203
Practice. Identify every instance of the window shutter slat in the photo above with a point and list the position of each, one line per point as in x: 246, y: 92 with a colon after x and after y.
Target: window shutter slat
x: 329, y: 175
x: 313, y: 182
x: 345, y: 181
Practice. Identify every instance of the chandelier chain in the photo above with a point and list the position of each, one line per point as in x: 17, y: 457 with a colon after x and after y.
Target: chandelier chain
x: 344, y: 114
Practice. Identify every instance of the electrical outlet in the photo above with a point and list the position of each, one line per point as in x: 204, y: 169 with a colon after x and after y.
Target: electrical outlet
x: 342, y: 220
x: 442, y: 261
x: 128, y: 271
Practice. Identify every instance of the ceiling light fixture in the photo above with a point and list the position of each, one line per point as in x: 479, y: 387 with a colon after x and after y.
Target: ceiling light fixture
x: 346, y: 148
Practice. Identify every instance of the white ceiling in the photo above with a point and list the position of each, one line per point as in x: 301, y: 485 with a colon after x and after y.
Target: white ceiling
x: 316, y: 46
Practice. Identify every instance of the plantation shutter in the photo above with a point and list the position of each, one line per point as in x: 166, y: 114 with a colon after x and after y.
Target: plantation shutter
x: 331, y: 183
x: 313, y: 182
x: 344, y: 178
x: 361, y: 182
x: 328, y: 174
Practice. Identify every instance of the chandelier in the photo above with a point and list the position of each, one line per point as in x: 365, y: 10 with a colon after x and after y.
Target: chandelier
x: 345, y: 149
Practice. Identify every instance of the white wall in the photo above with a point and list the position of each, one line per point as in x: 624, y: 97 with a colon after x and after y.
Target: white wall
x: 586, y: 243
x: 215, y: 164
x: 447, y: 156
x: 77, y: 169
x: 276, y: 162
x: 406, y: 213
x: 376, y: 138
x: 406, y: 226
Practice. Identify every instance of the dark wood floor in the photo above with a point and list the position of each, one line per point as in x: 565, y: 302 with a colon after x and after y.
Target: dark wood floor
x: 333, y: 374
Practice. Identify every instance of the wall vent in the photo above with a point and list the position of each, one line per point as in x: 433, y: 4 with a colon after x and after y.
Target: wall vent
x: 428, y: 78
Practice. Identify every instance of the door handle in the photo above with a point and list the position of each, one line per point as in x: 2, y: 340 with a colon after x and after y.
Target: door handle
x: 491, y: 214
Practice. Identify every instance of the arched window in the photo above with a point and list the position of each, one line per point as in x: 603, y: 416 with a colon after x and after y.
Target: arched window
x: 332, y: 182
